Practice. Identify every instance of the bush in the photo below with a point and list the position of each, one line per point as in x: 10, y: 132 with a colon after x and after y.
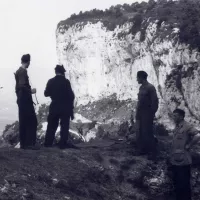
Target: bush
x: 137, y: 24
x: 182, y: 14
x: 115, y: 15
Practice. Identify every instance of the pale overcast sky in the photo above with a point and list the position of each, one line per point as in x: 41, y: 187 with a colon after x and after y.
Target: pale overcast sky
x: 28, y: 26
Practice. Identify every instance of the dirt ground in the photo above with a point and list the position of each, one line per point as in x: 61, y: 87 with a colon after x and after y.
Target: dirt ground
x: 101, y: 170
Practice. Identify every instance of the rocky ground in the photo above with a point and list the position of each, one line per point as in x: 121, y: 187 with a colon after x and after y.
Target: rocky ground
x: 105, y: 167
x: 105, y: 118
x: 101, y: 169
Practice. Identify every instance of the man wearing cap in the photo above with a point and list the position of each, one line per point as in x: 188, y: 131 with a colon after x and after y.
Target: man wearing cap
x: 61, y: 108
x: 27, y: 116
x: 145, y: 112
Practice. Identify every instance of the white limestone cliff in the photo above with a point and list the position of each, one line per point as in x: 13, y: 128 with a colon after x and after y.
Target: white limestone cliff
x: 100, y: 64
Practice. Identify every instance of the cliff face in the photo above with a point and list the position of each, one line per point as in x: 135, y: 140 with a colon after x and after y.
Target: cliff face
x: 101, y: 61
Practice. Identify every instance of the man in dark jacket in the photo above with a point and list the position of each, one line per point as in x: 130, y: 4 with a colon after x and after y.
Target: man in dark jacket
x: 61, y: 108
x: 27, y: 116
x: 146, y: 108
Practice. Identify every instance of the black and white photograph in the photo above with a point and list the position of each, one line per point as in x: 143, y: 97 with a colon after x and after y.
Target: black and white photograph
x: 100, y: 100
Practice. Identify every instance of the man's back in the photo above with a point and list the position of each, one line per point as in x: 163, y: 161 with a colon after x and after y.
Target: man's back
x: 147, y: 97
x: 61, y: 108
x: 22, y: 80
x: 59, y: 90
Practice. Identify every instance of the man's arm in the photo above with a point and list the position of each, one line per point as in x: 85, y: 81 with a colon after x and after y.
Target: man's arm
x: 47, y: 92
x: 137, y: 110
x: 154, y: 99
x: 71, y: 93
x: 137, y: 116
x: 195, y: 137
x: 71, y: 97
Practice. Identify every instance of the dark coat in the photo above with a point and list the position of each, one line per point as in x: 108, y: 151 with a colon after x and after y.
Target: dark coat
x: 60, y: 91
x: 23, y: 90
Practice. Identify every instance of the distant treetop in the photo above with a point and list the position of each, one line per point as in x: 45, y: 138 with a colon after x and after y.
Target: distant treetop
x: 181, y: 14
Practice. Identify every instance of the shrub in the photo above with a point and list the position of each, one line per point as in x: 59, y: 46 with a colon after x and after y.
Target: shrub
x: 182, y: 14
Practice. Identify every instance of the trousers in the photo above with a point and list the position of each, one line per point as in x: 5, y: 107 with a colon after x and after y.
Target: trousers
x: 145, y: 137
x: 181, y: 182
x: 27, y: 121
x: 53, y: 121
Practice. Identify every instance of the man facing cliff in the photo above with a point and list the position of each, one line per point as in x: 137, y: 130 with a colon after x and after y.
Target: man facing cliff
x: 61, y: 108
x: 145, y: 112
x: 27, y: 115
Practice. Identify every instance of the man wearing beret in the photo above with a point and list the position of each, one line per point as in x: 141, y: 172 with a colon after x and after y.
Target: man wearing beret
x: 61, y: 108
x: 27, y: 115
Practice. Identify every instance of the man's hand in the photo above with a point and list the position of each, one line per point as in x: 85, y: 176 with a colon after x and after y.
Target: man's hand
x: 72, y: 116
x: 194, y: 141
x: 137, y: 125
x: 187, y: 147
x: 137, y: 128
x: 33, y: 91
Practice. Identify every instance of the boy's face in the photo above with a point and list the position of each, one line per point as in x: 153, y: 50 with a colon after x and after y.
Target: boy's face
x: 177, y: 117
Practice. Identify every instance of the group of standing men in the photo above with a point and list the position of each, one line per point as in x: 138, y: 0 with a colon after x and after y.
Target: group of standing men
x: 185, y: 136
x: 61, y: 109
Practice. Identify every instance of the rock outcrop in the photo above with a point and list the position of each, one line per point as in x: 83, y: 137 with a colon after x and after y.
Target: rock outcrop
x: 102, y: 52
x: 106, y: 118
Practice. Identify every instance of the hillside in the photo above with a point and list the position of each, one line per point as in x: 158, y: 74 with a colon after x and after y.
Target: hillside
x: 102, y: 52
x: 99, y: 170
